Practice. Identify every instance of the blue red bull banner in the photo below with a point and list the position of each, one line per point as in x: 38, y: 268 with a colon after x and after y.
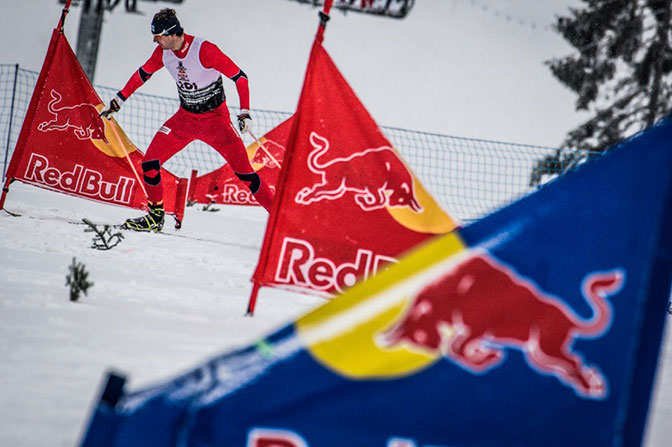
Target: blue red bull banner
x: 346, y: 203
x: 538, y: 325
x: 65, y: 146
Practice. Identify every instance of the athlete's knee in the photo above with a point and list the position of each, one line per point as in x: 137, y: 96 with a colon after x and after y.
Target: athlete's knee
x: 252, y: 180
x: 151, y: 170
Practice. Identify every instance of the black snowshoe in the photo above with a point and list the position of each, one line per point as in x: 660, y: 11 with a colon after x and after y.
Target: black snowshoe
x: 152, y: 221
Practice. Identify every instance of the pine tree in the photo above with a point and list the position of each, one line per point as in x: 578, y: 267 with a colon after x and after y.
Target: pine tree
x: 621, y: 74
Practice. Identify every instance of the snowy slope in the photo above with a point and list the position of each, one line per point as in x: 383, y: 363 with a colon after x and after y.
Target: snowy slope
x: 159, y: 304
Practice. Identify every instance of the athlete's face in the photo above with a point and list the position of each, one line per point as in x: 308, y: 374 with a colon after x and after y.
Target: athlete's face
x: 171, y: 42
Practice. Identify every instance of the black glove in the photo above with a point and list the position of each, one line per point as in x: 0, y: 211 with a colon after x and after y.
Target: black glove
x: 115, y: 105
x: 244, y: 120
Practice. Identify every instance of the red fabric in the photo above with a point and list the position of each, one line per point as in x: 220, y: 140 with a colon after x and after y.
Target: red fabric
x: 264, y: 196
x: 65, y: 146
x: 346, y: 203
x: 213, y: 128
x: 210, y: 56
x: 222, y: 186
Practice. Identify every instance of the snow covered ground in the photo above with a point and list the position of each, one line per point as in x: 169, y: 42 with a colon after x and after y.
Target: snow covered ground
x: 159, y: 305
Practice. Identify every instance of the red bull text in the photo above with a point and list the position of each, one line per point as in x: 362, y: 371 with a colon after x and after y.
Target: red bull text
x: 274, y: 437
x: 299, y: 266
x: 80, y: 180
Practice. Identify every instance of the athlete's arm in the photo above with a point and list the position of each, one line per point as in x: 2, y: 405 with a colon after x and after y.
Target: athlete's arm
x: 212, y: 57
x: 153, y: 64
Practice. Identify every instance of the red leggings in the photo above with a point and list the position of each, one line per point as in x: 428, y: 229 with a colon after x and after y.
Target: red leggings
x: 213, y: 128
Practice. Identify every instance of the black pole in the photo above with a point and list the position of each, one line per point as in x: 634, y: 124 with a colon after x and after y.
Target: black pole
x: 88, y: 36
x: 11, y: 115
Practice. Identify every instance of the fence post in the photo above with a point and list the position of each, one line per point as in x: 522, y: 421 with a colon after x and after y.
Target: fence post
x: 11, y: 115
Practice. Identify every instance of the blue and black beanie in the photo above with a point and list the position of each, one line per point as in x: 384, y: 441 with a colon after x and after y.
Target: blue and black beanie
x: 165, y: 23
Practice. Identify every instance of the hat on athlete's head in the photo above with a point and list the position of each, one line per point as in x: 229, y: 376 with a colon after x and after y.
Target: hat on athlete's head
x: 165, y: 23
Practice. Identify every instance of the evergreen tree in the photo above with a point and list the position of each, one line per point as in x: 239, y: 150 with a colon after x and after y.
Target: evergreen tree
x: 621, y: 74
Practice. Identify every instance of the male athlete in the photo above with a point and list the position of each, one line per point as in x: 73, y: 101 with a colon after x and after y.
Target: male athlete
x: 197, y: 66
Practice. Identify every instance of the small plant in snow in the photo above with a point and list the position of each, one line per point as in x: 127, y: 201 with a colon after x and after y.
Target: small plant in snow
x: 77, y: 279
x: 104, y: 239
x: 210, y: 207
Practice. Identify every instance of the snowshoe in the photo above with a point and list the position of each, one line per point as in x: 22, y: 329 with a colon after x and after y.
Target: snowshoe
x: 152, y: 221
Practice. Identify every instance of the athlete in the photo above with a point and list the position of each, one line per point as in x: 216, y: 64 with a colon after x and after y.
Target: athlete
x: 197, y: 66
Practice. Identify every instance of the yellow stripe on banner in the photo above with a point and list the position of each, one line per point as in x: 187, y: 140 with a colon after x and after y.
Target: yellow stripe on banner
x: 344, y: 334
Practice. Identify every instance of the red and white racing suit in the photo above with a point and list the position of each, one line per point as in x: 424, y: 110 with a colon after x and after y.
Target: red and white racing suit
x: 203, y: 115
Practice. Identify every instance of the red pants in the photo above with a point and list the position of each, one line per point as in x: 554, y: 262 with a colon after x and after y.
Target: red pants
x: 213, y: 128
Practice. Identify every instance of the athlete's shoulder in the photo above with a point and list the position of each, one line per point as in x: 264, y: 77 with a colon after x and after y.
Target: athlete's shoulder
x: 208, y: 45
x: 210, y: 52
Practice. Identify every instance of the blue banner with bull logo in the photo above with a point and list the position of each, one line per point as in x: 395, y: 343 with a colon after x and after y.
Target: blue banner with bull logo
x: 538, y: 325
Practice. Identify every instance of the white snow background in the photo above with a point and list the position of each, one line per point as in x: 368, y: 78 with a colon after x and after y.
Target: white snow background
x: 161, y: 304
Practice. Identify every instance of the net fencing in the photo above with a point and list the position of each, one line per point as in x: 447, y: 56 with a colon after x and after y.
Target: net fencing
x: 468, y: 177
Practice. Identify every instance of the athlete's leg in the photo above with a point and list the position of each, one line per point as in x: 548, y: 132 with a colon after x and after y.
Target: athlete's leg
x: 169, y: 140
x: 224, y: 138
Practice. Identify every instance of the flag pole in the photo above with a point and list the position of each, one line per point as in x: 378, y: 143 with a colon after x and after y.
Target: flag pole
x: 64, y: 13
x: 324, y: 18
x: 319, y: 37
x: 253, y: 299
x: 34, y: 101
x: 128, y: 158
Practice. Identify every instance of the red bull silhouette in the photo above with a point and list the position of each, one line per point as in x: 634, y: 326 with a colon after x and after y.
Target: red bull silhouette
x: 474, y: 312
x: 372, y: 190
x: 82, y: 119
x: 262, y: 158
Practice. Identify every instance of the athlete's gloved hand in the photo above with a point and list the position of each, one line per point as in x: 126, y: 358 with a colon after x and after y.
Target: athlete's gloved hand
x: 244, y: 121
x: 115, y: 105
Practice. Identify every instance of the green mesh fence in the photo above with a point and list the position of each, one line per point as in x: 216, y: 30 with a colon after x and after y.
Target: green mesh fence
x: 468, y: 177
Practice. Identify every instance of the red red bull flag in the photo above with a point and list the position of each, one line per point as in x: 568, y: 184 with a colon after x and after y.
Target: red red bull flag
x: 223, y: 187
x: 346, y: 203
x: 65, y: 146
x: 539, y: 325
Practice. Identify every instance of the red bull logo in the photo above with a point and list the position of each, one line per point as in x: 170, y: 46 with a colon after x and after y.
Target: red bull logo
x: 82, y: 120
x: 232, y: 194
x: 263, y: 158
x: 481, y: 307
x: 360, y: 174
